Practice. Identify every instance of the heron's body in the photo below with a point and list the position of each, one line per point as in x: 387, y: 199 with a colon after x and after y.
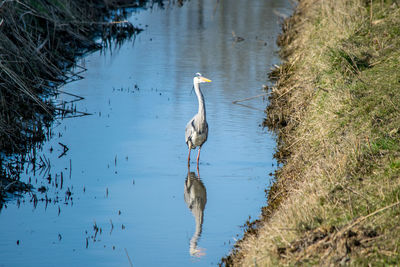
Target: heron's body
x: 196, y: 132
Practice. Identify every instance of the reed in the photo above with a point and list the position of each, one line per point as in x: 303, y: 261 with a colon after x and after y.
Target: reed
x: 40, y: 41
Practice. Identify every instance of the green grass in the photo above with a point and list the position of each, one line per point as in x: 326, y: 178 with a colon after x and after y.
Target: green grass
x: 341, y: 138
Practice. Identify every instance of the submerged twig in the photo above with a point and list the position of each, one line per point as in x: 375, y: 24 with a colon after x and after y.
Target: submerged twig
x: 249, y: 98
x: 130, y: 262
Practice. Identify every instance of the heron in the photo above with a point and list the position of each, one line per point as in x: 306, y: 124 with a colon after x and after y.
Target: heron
x: 196, y: 132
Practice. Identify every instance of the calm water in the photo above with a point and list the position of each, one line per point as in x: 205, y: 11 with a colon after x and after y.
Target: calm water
x: 126, y: 168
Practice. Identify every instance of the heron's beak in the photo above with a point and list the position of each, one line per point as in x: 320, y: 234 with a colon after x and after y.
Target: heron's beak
x: 205, y: 79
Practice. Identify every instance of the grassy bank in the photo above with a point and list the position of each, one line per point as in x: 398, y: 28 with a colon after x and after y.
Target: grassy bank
x: 335, y: 107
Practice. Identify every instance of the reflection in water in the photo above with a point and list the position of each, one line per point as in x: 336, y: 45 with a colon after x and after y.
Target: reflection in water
x: 131, y: 92
x: 196, y: 198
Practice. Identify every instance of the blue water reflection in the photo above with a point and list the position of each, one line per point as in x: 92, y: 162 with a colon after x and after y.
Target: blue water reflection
x: 127, y: 162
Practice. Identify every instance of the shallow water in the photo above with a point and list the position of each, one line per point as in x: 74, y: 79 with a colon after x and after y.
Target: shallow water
x: 126, y: 164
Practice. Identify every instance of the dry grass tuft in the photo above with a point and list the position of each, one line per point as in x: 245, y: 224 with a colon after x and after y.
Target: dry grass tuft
x: 335, y: 109
x: 39, y: 42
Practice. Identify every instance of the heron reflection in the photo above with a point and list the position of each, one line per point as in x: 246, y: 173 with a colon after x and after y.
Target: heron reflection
x: 196, y: 198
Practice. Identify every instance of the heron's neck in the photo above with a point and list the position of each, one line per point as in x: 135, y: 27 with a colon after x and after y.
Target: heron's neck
x: 200, y: 98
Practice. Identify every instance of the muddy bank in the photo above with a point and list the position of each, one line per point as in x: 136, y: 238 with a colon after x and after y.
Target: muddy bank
x: 39, y: 43
x: 335, y: 200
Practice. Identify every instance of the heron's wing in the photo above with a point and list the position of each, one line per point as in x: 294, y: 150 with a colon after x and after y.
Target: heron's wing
x: 189, y: 130
x: 206, y: 129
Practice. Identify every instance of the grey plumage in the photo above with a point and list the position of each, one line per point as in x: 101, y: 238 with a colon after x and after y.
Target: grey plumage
x: 196, y: 132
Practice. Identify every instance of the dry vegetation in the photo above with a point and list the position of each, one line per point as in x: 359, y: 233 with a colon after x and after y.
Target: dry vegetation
x: 39, y: 42
x: 336, y: 110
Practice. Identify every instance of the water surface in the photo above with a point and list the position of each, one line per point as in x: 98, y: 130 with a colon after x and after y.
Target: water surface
x: 123, y: 187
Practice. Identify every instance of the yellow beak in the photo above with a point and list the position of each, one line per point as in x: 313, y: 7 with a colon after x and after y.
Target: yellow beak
x: 205, y: 79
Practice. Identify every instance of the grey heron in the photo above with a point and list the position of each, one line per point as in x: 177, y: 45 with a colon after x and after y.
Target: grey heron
x: 196, y: 132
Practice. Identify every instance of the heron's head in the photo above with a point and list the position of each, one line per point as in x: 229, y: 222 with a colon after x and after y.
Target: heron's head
x: 200, y: 79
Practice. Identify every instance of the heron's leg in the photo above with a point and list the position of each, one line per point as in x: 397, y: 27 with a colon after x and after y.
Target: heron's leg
x: 189, y: 157
x: 198, y: 157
